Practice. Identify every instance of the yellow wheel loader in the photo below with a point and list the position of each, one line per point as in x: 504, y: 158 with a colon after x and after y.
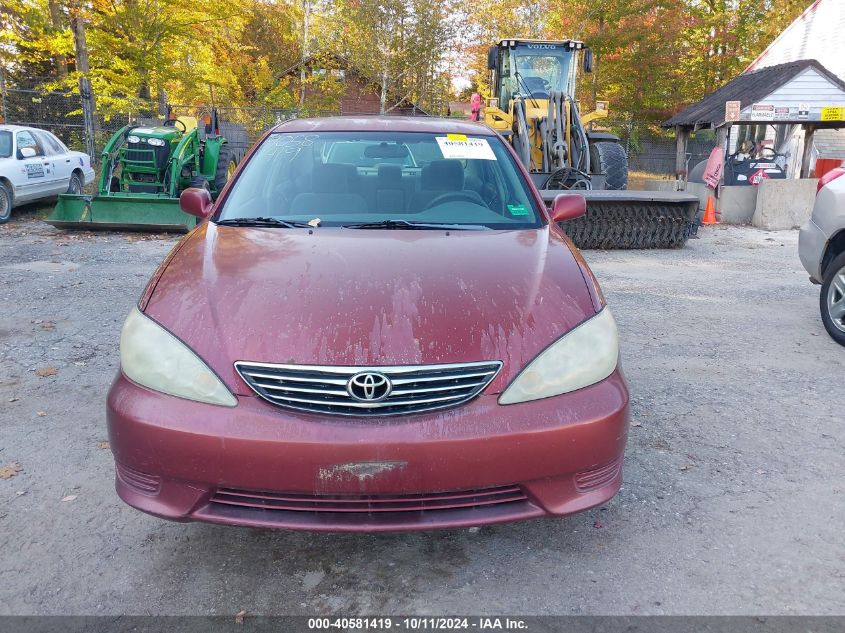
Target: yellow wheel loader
x: 533, y: 106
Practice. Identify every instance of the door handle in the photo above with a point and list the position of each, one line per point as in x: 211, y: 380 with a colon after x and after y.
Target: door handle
x: 67, y: 160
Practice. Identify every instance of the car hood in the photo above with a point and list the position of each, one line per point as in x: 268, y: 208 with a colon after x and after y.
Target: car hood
x: 336, y: 296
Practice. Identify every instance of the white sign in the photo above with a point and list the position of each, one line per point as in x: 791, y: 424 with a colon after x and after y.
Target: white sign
x: 458, y: 146
x: 782, y: 113
x: 762, y: 112
x: 803, y: 110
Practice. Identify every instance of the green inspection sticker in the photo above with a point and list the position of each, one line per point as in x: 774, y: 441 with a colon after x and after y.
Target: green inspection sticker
x: 517, y: 209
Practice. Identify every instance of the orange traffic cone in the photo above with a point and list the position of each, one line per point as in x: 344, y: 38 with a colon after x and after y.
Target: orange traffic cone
x: 709, y: 212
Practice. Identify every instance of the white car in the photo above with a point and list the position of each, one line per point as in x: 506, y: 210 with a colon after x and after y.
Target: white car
x: 821, y: 246
x: 34, y: 164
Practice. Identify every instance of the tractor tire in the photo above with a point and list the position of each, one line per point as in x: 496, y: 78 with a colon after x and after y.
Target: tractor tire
x: 5, y: 203
x: 610, y: 159
x: 199, y: 182
x: 832, y: 299
x: 225, y: 167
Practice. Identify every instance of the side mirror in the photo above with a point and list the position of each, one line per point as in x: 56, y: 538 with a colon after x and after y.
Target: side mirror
x: 197, y: 202
x: 27, y: 152
x: 587, y: 62
x: 492, y: 57
x: 568, y: 206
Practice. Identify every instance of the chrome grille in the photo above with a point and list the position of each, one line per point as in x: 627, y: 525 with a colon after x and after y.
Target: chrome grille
x: 326, y: 389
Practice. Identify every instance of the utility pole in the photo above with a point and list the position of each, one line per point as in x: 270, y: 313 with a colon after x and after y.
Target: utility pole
x: 305, y: 53
x: 86, y: 93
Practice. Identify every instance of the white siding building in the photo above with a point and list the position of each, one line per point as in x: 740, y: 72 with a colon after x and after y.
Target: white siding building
x: 818, y: 33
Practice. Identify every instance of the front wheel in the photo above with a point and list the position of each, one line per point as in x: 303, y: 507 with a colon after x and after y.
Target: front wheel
x: 225, y: 168
x: 610, y: 159
x: 832, y: 299
x: 5, y: 204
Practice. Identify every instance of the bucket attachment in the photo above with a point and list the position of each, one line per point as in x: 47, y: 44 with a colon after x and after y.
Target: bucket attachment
x: 120, y: 212
x: 632, y: 219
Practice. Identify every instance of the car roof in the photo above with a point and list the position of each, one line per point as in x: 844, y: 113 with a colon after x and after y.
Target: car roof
x: 9, y: 127
x: 427, y: 124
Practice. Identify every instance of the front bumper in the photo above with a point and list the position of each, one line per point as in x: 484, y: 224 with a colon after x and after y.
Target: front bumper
x: 811, y: 246
x: 261, y: 466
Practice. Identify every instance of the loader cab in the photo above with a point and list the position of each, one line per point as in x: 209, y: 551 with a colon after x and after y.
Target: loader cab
x: 535, y: 68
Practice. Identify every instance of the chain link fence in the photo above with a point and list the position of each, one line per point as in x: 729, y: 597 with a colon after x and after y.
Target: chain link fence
x: 59, y: 112
x: 63, y: 113
x: 656, y: 154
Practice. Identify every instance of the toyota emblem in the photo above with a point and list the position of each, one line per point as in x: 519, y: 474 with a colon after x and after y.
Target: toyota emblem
x: 369, y: 386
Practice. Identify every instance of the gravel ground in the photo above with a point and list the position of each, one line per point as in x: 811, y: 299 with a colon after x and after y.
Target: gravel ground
x: 733, y: 497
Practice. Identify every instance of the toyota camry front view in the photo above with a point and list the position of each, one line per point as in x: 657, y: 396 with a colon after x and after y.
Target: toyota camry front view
x: 378, y: 325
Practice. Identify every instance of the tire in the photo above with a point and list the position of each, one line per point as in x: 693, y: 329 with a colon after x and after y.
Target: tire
x: 75, y: 184
x: 199, y: 182
x: 832, y: 299
x: 5, y: 203
x: 610, y: 159
x: 225, y: 167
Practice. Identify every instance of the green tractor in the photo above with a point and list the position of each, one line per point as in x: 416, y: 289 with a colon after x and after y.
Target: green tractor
x: 144, y: 169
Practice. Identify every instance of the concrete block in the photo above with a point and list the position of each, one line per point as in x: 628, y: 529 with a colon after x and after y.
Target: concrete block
x: 784, y: 204
x: 654, y: 184
x: 736, y: 204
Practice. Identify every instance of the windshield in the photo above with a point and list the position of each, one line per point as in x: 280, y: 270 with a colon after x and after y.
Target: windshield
x: 543, y: 68
x: 347, y: 178
x: 5, y: 144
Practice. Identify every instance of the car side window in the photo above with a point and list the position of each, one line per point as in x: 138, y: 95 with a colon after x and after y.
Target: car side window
x: 50, y: 143
x: 26, y: 139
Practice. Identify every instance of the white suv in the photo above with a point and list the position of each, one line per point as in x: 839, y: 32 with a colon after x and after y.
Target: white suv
x: 821, y: 247
x: 34, y: 164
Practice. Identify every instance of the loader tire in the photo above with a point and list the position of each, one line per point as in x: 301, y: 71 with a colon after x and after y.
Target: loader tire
x: 610, y: 159
x: 225, y: 166
x: 631, y: 226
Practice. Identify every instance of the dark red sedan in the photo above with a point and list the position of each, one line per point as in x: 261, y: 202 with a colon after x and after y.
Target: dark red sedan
x: 379, y: 327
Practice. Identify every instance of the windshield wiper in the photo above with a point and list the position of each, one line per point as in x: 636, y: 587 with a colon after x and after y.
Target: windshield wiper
x: 405, y: 224
x: 519, y: 78
x: 260, y: 221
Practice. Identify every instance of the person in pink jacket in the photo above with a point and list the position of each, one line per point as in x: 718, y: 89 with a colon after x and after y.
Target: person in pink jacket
x: 475, y: 106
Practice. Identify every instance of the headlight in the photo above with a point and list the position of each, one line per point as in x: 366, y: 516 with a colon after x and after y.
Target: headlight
x: 133, y: 139
x: 155, y: 142
x: 154, y: 358
x: 580, y: 358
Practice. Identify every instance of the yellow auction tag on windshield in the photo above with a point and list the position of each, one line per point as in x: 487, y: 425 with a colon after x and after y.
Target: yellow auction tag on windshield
x: 456, y: 137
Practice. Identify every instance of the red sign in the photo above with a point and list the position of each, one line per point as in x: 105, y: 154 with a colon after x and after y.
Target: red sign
x: 758, y: 176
